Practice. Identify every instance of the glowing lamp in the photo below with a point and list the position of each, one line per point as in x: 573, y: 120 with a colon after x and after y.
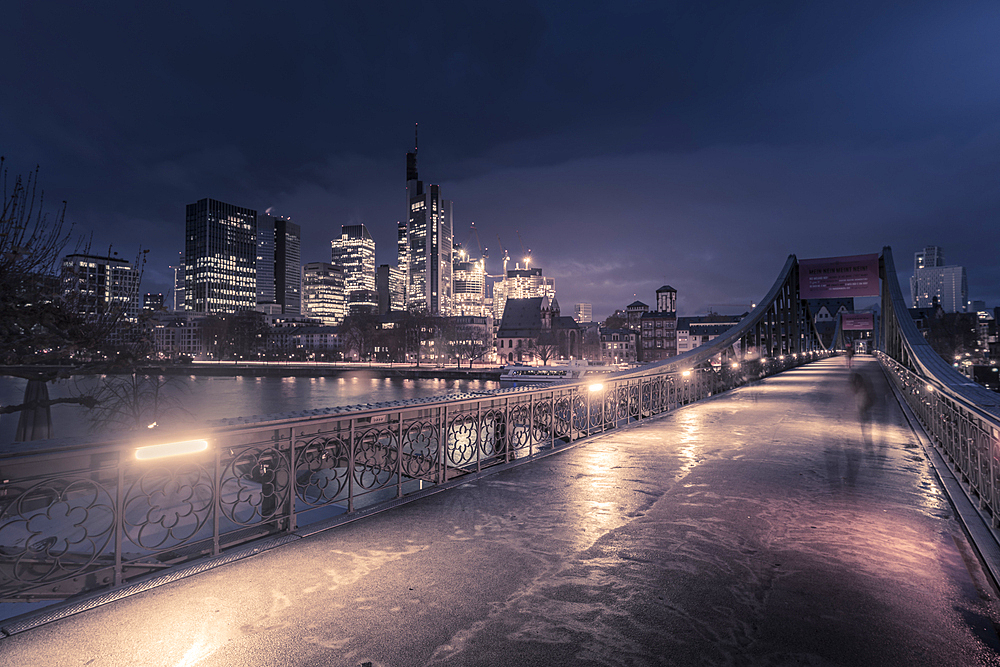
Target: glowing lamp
x: 686, y: 373
x: 170, y: 449
x: 597, y: 386
x: 735, y: 365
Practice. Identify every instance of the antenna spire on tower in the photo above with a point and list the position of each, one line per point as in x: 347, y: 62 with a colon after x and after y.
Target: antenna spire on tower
x: 416, y: 142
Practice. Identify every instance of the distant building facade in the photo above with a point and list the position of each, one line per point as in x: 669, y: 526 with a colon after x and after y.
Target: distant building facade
x: 619, y: 346
x: 658, y: 328
x: 220, y: 257
x: 152, y: 301
x: 469, y: 287
x: 948, y: 285
x: 693, y: 332
x: 390, y: 283
x: 521, y: 283
x: 933, y: 280
x: 583, y: 312
x: 323, y: 292
x: 633, y: 314
x: 101, y: 285
x: 354, y: 252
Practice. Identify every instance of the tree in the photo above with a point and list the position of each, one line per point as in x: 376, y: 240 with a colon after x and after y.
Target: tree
x: 44, y: 320
x: 416, y: 326
x: 547, y: 347
x: 954, y: 335
x: 246, y: 333
x: 591, y: 345
x: 616, y: 321
x: 359, y: 333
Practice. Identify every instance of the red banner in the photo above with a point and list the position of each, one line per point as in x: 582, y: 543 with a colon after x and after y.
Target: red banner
x: 837, y: 277
x: 857, y: 321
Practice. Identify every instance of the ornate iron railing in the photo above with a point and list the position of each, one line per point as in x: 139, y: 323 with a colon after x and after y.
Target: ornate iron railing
x: 81, y: 517
x: 961, y: 417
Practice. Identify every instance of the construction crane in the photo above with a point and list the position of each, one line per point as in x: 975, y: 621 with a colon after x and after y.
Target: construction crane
x: 504, y: 253
x: 525, y: 252
x: 478, y: 242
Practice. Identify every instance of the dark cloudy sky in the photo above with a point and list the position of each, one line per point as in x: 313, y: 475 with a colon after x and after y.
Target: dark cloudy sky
x: 630, y: 143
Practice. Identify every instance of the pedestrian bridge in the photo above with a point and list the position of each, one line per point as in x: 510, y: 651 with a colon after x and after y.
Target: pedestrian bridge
x: 79, y: 520
x: 756, y: 527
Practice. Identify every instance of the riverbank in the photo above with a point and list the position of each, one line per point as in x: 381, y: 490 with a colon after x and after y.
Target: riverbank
x: 288, y: 369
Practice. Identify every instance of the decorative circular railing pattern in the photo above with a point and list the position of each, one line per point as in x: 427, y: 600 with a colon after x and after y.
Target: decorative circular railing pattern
x: 167, y: 506
x: 56, y: 529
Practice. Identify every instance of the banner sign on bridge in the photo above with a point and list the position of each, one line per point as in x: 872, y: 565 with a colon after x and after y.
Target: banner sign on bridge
x: 838, y: 277
x: 857, y: 321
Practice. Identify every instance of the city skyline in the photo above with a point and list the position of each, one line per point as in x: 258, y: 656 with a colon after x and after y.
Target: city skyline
x: 696, y: 149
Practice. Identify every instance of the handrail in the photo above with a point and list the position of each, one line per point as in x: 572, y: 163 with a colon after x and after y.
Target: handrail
x: 108, y: 517
x: 918, y: 352
x: 961, y: 418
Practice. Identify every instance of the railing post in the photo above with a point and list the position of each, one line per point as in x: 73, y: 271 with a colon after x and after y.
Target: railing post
x: 119, y: 519
x: 480, y: 435
x: 572, y: 413
x: 531, y: 425
x: 399, y: 463
x: 552, y: 421
x: 604, y: 417
x: 351, y: 456
x: 216, y: 502
x: 291, y: 479
x: 443, y: 447
x: 628, y: 404
x: 507, y: 428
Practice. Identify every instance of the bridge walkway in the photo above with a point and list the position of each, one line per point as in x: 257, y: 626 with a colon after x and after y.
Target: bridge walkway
x: 755, y: 528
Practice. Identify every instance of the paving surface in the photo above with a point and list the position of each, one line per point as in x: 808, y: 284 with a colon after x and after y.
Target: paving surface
x: 756, y: 528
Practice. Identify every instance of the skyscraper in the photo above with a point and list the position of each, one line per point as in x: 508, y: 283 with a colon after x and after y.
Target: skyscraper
x: 469, y: 285
x: 323, y: 292
x: 584, y: 312
x: 933, y: 280
x: 931, y: 255
x: 288, y: 266
x: 354, y: 252
x: 265, y: 259
x: 220, y: 257
x: 279, y: 264
x: 390, y: 284
x: 178, y: 281
x: 521, y: 283
x: 424, y: 247
x: 947, y: 284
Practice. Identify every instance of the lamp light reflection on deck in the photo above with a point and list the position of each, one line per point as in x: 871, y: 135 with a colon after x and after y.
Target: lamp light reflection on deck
x: 170, y: 449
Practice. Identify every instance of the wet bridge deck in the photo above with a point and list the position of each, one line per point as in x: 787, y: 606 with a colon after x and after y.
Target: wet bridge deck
x: 754, y: 528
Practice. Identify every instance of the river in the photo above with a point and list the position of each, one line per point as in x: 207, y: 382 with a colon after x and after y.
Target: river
x: 204, y: 398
